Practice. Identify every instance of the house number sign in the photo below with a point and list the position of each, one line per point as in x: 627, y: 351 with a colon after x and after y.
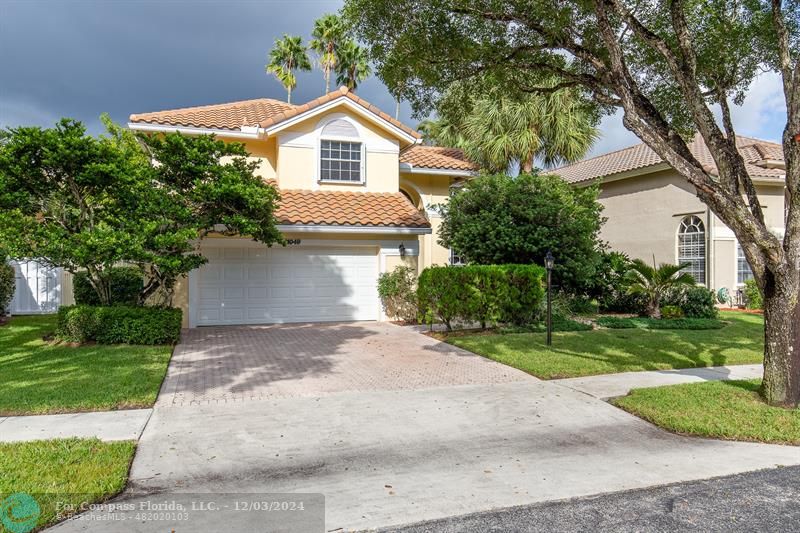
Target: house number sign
x: 293, y: 241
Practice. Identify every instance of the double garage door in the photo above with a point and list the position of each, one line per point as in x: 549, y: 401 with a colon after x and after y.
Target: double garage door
x: 260, y: 285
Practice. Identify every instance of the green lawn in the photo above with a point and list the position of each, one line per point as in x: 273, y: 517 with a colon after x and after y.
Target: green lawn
x: 61, y: 473
x: 606, y: 351
x: 722, y: 409
x: 37, y: 377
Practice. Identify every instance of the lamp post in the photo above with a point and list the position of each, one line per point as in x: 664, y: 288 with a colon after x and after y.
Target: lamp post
x: 549, y: 260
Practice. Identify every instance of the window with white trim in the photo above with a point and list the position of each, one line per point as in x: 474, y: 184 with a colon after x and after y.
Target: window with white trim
x: 743, y: 270
x: 341, y: 153
x: 456, y: 259
x: 692, y: 247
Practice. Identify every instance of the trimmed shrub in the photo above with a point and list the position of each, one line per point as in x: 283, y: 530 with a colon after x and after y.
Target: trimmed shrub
x: 669, y: 312
x: 7, y: 286
x: 752, y: 295
x: 488, y: 294
x: 126, y: 284
x: 613, y: 322
x: 397, y: 291
x: 699, y: 302
x: 119, y: 324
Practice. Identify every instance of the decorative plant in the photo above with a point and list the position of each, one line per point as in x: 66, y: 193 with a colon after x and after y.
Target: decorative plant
x: 654, y: 282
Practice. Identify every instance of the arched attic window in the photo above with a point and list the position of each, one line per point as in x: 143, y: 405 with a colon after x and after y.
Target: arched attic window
x: 692, y: 247
x: 341, y: 153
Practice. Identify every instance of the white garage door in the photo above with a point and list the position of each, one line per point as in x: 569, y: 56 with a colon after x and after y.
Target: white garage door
x: 260, y: 285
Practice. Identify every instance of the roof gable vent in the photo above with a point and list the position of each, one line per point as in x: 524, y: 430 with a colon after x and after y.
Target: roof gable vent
x: 340, y: 128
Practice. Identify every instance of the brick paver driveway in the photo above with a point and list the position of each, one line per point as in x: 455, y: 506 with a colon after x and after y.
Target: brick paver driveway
x: 238, y: 363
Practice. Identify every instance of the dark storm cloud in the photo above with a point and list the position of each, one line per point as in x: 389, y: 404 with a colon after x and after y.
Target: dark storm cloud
x: 82, y: 58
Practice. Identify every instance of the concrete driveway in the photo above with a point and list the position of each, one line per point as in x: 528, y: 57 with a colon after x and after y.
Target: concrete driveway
x: 419, y: 431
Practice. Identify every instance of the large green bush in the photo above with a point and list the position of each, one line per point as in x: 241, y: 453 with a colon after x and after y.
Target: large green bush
x: 610, y: 288
x: 125, y: 283
x: 119, y: 324
x: 7, y: 286
x: 486, y: 294
x: 397, y: 291
x: 752, y: 295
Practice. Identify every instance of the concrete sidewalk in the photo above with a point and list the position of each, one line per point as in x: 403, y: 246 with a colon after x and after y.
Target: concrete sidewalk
x: 105, y: 425
x: 612, y: 385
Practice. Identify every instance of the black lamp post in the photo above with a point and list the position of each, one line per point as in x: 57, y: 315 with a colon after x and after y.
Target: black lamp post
x: 549, y: 261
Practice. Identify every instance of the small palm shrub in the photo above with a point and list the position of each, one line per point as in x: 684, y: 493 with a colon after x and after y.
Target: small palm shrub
x: 653, y: 283
x: 398, y: 293
x: 752, y: 295
x: 7, y: 286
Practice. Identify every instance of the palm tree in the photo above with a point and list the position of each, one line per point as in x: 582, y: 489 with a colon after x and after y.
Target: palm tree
x: 286, y: 56
x: 654, y: 282
x: 352, y: 65
x: 328, y: 34
x: 495, y: 131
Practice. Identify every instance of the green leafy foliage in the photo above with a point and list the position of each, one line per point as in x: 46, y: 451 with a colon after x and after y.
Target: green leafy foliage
x: 752, y: 295
x: 7, y: 286
x: 496, y: 219
x: 85, y: 203
x: 487, y: 294
x: 119, y: 324
x: 610, y: 287
x: 652, y: 283
x: 560, y: 323
x: 398, y: 294
x: 613, y: 322
x: 125, y: 284
x: 699, y: 302
x: 669, y: 312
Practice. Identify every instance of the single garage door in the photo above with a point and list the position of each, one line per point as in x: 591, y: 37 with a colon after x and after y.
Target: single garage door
x: 260, y: 285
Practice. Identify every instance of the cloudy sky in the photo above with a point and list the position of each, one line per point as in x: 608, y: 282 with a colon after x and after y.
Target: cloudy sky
x: 81, y: 58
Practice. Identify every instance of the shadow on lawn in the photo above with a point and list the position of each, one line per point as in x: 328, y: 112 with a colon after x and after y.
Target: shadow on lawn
x: 628, y: 349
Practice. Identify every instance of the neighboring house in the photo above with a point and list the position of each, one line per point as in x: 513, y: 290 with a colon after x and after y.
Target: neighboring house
x: 357, y: 190
x: 653, y: 212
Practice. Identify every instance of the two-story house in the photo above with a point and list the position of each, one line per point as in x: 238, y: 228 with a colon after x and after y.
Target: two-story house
x: 357, y: 190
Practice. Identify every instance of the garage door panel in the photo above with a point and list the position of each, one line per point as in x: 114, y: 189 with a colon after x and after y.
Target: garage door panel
x: 259, y: 285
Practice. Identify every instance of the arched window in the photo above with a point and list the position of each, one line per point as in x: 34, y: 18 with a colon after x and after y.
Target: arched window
x: 341, y: 153
x: 692, y: 247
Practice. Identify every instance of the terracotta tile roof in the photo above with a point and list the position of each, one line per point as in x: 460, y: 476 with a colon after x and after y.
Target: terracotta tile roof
x: 640, y: 156
x: 324, y: 99
x: 348, y: 208
x: 263, y: 112
x: 436, y: 157
x: 230, y: 116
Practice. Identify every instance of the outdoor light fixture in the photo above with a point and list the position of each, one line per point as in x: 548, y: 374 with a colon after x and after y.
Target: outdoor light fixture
x: 402, y: 249
x: 549, y: 261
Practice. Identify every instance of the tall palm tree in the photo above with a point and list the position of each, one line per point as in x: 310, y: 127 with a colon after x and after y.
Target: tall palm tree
x: 495, y: 131
x: 286, y: 56
x: 654, y: 282
x: 328, y: 34
x: 352, y: 66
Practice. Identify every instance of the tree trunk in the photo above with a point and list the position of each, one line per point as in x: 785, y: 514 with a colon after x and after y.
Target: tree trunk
x: 288, y: 95
x: 781, y: 385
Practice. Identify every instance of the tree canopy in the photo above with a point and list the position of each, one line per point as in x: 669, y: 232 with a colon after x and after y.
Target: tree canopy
x: 86, y: 203
x: 673, y: 68
x: 497, y: 219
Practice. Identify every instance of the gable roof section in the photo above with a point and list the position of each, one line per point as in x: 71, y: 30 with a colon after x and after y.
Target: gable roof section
x: 265, y: 113
x: 436, y: 157
x: 230, y: 116
x: 344, y: 208
x: 640, y: 156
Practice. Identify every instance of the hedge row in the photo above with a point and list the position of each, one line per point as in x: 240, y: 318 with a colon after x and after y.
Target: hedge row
x: 613, y: 322
x: 119, y: 324
x: 486, y: 294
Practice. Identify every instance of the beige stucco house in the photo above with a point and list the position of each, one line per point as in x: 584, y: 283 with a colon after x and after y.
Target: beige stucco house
x: 653, y: 211
x: 357, y: 195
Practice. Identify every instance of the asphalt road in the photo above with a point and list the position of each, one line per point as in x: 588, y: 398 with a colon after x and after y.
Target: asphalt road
x: 767, y: 500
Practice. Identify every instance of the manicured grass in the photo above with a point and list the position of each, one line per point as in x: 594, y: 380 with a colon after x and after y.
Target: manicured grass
x: 64, y: 471
x: 37, y: 377
x: 722, y: 409
x: 606, y: 351
x: 614, y: 322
